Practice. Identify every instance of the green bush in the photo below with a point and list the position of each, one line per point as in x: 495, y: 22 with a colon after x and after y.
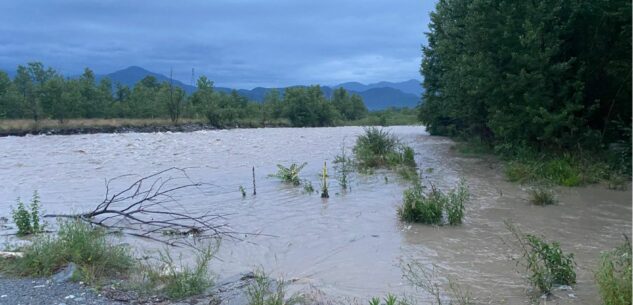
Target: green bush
x: 75, y: 242
x: 290, y: 174
x: 27, y: 219
x: 430, y: 208
x: 614, y: 276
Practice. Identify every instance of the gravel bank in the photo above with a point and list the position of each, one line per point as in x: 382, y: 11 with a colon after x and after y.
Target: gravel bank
x: 28, y: 291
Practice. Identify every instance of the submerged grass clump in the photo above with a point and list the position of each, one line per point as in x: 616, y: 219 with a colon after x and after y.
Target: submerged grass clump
x: 75, y: 242
x: 614, y: 275
x: 177, y: 280
x: 290, y: 174
x: 434, y: 207
x: 545, y: 263
x: 540, y: 195
x: 377, y: 148
x: 265, y: 291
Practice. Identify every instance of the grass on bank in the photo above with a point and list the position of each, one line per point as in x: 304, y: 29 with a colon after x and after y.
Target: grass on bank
x: 99, y: 259
x: 565, y: 169
x: 435, y: 206
x: 175, y: 279
x: 89, y: 248
x: 614, y: 275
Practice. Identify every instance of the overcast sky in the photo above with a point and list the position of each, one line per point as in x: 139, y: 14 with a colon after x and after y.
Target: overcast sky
x: 236, y: 43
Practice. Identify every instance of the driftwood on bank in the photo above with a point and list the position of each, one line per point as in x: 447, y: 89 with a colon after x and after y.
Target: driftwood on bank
x: 150, y: 208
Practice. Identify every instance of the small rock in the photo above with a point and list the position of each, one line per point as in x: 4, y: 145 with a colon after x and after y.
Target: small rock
x: 65, y: 274
x: 3, y: 296
x: 69, y: 297
x: 39, y: 286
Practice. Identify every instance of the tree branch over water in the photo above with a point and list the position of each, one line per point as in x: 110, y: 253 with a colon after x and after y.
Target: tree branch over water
x: 150, y: 208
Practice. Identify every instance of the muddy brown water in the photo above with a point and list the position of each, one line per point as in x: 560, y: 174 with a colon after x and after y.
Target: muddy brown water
x: 351, y: 245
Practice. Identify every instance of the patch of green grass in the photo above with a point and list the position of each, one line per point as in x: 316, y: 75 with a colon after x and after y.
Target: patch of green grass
x: 431, y: 207
x: 540, y: 195
x: 290, y: 174
x: 76, y: 242
x: 614, y: 275
x: 564, y: 170
x: 473, y: 148
x: 175, y: 279
x: 265, y: 291
x: 545, y: 263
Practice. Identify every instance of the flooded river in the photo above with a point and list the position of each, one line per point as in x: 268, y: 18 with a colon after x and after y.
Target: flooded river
x: 351, y: 245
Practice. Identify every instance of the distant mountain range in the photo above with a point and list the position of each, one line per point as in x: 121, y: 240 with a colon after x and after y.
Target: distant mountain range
x: 376, y: 96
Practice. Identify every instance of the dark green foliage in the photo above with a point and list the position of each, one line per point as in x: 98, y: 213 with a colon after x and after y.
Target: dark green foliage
x: 614, y: 275
x: 551, y: 75
x: 75, y: 242
x: 431, y: 207
x: 344, y: 166
x: 27, y: 219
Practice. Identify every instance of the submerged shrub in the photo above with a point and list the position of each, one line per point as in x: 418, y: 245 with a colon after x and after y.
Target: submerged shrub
x: 374, y: 147
x: 290, y: 174
x: 75, y: 242
x: 541, y: 195
x: 378, y: 148
x: 614, y: 275
x: 431, y: 207
x: 27, y: 219
x: 545, y: 262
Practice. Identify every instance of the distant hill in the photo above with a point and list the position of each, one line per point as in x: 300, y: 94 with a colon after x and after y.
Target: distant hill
x: 377, y: 96
x: 411, y: 86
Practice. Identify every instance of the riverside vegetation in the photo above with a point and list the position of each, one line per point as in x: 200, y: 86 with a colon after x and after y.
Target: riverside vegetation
x: 560, y: 113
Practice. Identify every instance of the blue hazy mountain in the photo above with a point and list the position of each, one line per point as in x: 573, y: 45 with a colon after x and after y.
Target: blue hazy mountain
x: 377, y: 96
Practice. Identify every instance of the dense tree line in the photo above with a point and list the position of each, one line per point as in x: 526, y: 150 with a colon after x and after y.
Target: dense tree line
x: 38, y: 92
x: 551, y: 75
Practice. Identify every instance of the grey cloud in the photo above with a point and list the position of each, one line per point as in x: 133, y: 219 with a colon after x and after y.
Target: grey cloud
x: 239, y: 43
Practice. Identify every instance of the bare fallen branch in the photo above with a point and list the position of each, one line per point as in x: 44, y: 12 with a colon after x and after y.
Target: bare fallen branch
x: 149, y: 208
